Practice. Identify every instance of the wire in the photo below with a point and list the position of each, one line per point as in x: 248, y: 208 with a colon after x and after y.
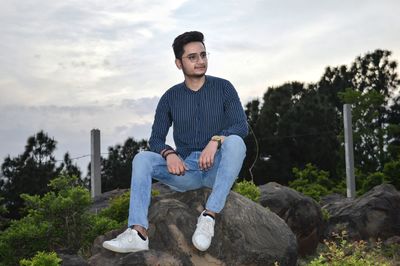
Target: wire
x: 82, y: 156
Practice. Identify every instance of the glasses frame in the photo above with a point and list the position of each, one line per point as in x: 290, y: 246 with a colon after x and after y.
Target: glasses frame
x: 194, y: 57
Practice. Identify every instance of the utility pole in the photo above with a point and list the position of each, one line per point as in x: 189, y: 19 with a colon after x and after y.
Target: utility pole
x: 348, y: 144
x: 95, y: 163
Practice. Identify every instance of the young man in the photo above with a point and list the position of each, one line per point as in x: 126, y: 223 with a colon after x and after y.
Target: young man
x: 209, y: 125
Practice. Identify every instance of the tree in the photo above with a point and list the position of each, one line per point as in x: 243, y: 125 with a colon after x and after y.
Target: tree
x: 252, y: 111
x: 374, y: 81
x: 69, y: 169
x: 394, y: 129
x: 29, y: 172
x: 295, y: 126
x: 116, y: 169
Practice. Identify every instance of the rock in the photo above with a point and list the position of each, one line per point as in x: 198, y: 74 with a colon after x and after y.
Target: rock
x: 245, y: 234
x: 394, y: 240
x: 72, y: 260
x: 374, y: 215
x: 302, y: 214
x: 102, y: 201
x: 331, y: 199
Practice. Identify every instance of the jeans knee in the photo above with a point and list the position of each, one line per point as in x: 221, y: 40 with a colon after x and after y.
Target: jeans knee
x: 234, y: 143
x: 142, y: 158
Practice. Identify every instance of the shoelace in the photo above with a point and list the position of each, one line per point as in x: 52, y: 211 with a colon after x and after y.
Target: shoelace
x: 206, y: 226
x: 128, y: 234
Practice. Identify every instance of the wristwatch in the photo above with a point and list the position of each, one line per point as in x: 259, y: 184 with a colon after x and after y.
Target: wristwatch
x: 217, y: 139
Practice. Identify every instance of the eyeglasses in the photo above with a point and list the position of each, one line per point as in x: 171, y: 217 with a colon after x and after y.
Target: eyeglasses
x: 194, y: 58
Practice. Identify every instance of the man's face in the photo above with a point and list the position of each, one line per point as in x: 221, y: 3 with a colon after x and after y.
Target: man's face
x: 194, y: 60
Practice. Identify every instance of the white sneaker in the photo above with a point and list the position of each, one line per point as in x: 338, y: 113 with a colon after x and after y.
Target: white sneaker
x: 204, y: 232
x: 128, y: 241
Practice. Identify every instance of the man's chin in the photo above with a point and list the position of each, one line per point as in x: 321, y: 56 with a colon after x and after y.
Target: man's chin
x: 200, y: 75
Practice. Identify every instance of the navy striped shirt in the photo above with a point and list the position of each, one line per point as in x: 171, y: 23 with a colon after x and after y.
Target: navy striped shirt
x: 196, y: 116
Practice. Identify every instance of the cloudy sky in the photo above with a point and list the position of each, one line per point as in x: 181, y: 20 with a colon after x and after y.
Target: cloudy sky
x: 69, y: 66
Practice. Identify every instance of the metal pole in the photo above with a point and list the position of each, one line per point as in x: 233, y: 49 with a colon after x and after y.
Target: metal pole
x: 348, y: 144
x: 95, y: 163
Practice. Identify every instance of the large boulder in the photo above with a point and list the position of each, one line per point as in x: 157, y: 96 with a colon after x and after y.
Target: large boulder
x: 245, y: 234
x: 376, y: 214
x: 301, y: 213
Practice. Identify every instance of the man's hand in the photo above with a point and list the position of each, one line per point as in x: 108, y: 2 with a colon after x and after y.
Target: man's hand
x: 175, y: 165
x: 206, y: 159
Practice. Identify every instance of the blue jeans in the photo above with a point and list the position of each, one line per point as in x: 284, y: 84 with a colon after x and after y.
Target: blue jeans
x: 220, y: 177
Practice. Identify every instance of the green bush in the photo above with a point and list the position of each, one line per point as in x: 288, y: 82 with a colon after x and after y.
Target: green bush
x: 42, y: 259
x: 371, y: 181
x: 23, y: 239
x: 392, y: 173
x: 98, y: 226
x: 313, y: 182
x: 247, y: 189
x: 118, y: 209
x: 57, y: 220
x: 65, y: 210
x: 325, y: 215
x: 341, y: 252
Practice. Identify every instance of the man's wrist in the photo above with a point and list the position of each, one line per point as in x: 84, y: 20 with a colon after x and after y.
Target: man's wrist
x: 167, y: 152
x: 218, y: 139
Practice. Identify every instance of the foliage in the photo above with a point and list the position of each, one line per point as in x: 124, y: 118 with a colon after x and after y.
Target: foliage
x: 118, y: 209
x: 393, y: 120
x: 391, y: 172
x: 42, y: 259
x: 116, y: 169
x: 301, y: 123
x: 65, y: 209
x: 341, y: 252
x: 247, y: 189
x: 369, y: 135
x: 57, y: 220
x: 155, y: 192
x: 295, y: 126
x: 371, y: 181
x: 31, y: 171
x: 325, y: 215
x: 22, y: 239
x: 313, y: 182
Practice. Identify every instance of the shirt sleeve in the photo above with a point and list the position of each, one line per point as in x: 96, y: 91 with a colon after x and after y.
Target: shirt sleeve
x: 162, y: 123
x: 237, y: 121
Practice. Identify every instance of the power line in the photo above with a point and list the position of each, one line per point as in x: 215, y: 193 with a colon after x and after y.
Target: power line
x: 81, y: 156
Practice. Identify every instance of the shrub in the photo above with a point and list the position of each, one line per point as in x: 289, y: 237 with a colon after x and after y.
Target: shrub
x: 65, y: 210
x: 247, y: 189
x: 312, y: 182
x: 325, y: 215
x: 340, y: 252
x: 118, y: 209
x: 392, y: 173
x: 42, y: 259
x: 98, y: 226
x: 57, y: 220
x: 22, y: 239
x: 371, y: 181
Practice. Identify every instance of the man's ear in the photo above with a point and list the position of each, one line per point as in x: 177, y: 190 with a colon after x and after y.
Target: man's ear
x: 178, y: 63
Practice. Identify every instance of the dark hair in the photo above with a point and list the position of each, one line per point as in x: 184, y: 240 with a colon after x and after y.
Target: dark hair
x: 185, y: 38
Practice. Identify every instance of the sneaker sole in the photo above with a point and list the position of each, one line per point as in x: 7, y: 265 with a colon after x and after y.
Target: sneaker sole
x: 196, y: 246
x: 119, y: 250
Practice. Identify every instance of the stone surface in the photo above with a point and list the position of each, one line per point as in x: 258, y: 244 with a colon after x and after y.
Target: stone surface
x: 72, y: 260
x: 301, y: 213
x: 245, y: 234
x: 374, y: 215
x: 103, y: 200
